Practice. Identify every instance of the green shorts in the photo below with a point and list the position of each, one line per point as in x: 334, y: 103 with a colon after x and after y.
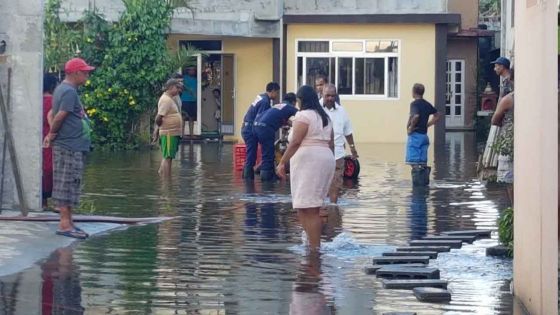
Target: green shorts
x: 169, y: 146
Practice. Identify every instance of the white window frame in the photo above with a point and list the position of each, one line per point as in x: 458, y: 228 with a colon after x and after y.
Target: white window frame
x: 352, y: 55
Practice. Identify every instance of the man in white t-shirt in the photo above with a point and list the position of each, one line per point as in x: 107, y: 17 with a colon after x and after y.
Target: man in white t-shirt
x: 342, y: 131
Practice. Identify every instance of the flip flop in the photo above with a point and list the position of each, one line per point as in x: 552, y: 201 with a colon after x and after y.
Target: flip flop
x: 74, y: 233
x: 80, y: 230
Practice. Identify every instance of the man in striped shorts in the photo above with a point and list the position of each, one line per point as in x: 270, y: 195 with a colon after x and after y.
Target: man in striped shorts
x: 70, y: 138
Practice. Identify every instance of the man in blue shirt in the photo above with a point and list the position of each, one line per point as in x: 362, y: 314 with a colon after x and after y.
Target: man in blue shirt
x: 265, y: 128
x: 189, y: 98
x: 262, y: 103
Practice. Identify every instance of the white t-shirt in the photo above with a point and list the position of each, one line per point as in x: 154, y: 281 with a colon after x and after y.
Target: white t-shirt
x: 341, y: 128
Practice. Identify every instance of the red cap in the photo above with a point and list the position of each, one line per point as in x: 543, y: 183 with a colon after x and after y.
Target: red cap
x: 77, y: 64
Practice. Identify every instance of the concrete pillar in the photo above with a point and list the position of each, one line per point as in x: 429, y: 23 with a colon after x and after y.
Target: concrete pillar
x: 21, y: 23
x: 536, y: 164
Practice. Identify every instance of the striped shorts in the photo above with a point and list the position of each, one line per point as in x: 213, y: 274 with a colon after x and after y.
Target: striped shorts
x: 67, y: 176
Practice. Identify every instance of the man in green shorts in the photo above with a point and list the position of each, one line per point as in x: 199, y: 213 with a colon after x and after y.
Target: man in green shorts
x: 170, y: 124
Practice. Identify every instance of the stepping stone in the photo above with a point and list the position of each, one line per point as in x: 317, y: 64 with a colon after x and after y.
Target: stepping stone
x: 432, y: 255
x: 450, y: 243
x: 438, y: 249
x: 497, y: 251
x: 411, y: 284
x: 407, y: 273
x: 384, y: 260
x: 400, y: 313
x: 477, y: 233
x: 432, y: 295
x: 371, y: 270
x: 463, y: 238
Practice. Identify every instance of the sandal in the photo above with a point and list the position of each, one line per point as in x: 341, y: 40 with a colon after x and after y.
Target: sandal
x: 74, y: 233
x: 80, y: 230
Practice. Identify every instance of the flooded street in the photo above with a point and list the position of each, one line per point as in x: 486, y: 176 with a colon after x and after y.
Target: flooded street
x: 236, y: 248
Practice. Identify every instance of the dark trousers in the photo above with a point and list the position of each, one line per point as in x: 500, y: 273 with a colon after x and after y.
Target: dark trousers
x: 266, y: 136
x: 250, y: 145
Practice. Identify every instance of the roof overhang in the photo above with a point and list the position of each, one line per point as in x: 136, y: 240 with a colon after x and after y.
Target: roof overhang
x: 413, y: 18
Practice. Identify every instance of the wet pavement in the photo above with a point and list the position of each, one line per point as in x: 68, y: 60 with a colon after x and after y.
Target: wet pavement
x: 237, y: 248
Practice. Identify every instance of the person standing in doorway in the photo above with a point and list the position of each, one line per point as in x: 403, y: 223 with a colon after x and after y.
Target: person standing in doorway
x: 417, y: 128
x: 218, y: 112
x: 311, y: 155
x: 170, y: 124
x: 261, y: 103
x: 189, y: 98
x: 502, y: 67
x: 70, y: 137
x: 342, y: 131
x: 265, y: 128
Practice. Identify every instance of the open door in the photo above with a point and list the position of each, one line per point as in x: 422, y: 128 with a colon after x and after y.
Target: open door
x: 228, y: 95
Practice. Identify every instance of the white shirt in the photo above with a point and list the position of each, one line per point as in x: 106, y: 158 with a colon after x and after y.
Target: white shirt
x: 341, y: 128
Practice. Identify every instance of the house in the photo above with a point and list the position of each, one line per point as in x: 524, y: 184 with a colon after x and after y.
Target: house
x: 374, y: 51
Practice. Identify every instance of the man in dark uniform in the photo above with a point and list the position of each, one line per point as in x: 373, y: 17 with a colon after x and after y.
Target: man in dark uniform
x: 262, y: 102
x: 265, y: 128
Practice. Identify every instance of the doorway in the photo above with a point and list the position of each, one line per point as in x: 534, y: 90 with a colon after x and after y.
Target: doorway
x: 215, y: 95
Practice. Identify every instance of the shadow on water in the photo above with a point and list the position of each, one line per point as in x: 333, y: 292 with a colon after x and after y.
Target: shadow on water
x: 237, y: 248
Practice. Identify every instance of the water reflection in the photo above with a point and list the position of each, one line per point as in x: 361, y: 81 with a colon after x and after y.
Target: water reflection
x: 61, y: 291
x: 308, y: 296
x: 232, y: 248
x: 419, y: 212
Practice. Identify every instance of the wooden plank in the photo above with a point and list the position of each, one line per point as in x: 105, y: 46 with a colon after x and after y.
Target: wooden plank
x: 432, y: 295
x: 372, y: 269
x: 432, y: 255
x: 407, y: 273
x: 416, y: 283
x: 438, y: 249
x: 450, y: 243
x: 383, y: 260
x: 13, y: 156
x: 462, y: 238
x: 477, y: 233
x: 89, y: 218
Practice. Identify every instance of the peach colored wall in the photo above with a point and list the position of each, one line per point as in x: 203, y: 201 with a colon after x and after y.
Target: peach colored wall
x: 468, y: 10
x: 253, y: 69
x: 381, y: 121
x: 536, y: 165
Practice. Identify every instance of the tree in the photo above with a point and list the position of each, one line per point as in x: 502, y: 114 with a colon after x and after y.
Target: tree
x: 490, y: 7
x: 132, y: 60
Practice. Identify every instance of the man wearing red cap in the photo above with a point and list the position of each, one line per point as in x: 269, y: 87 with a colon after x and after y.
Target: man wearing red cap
x: 70, y: 139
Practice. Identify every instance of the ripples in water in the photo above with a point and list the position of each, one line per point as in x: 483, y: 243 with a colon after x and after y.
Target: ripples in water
x: 237, y: 249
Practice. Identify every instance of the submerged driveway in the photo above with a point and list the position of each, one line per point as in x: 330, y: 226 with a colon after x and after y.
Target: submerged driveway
x: 236, y: 247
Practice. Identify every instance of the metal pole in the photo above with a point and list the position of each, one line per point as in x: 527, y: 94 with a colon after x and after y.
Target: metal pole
x: 13, y: 156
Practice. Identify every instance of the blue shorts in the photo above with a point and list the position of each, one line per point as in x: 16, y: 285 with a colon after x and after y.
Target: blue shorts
x: 417, y: 148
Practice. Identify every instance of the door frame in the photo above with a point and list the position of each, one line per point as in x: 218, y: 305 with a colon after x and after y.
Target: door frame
x: 234, y: 89
x: 453, y: 120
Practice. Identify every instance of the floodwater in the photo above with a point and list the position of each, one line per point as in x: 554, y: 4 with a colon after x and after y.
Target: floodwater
x: 236, y: 248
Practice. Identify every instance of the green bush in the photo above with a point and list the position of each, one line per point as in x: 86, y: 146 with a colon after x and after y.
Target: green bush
x: 505, y: 229
x: 132, y: 60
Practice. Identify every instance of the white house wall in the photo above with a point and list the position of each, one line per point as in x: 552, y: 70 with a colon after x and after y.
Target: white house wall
x: 21, y: 27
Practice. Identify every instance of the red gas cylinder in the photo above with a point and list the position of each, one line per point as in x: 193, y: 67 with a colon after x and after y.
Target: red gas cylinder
x: 489, y: 99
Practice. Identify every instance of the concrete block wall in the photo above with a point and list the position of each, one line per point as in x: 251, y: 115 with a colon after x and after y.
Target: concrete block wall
x: 247, y: 18
x: 22, y: 25
x: 255, y: 18
x: 364, y: 6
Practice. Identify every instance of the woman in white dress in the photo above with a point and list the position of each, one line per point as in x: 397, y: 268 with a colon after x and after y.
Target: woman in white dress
x: 312, y: 164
